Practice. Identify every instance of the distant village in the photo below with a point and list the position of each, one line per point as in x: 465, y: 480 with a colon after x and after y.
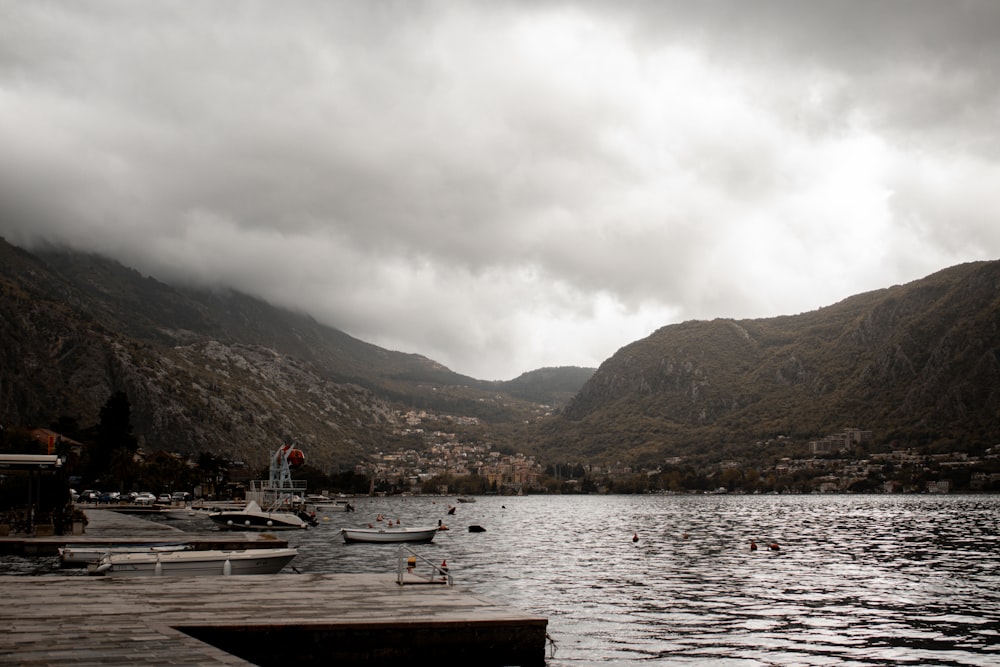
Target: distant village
x: 835, y: 463
x: 446, y: 463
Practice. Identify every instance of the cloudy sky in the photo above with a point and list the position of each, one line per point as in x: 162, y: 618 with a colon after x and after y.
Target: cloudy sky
x: 502, y: 186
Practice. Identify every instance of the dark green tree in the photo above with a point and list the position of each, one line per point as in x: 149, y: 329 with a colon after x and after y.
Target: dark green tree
x: 114, y: 446
x: 165, y: 473
x: 214, y: 471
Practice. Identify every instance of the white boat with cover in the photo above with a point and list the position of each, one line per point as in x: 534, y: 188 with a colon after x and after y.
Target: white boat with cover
x: 252, y: 517
x: 389, y: 535
x: 207, y: 562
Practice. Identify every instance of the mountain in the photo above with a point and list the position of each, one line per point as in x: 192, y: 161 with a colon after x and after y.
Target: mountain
x: 916, y: 364
x: 216, y: 371
x: 549, y: 386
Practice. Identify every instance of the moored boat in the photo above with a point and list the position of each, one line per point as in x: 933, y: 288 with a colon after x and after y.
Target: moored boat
x: 80, y: 555
x: 327, y: 504
x: 389, y: 535
x: 252, y: 517
x: 209, y: 562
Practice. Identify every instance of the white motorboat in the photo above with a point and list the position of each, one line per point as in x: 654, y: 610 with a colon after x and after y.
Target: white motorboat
x: 193, y: 563
x: 252, y: 517
x: 326, y: 504
x: 79, y: 555
x: 389, y: 535
x: 200, y: 510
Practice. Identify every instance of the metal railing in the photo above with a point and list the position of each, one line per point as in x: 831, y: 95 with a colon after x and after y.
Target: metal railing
x: 406, y: 564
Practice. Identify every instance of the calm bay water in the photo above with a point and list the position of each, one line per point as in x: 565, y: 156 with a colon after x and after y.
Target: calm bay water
x: 858, y: 580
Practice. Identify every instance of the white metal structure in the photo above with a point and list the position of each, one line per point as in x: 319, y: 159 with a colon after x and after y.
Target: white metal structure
x: 279, y: 490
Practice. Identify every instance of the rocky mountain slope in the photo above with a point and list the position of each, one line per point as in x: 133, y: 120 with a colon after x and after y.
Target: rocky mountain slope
x: 917, y: 364
x: 215, y: 371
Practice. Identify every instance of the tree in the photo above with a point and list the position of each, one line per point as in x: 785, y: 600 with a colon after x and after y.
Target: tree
x: 214, y: 471
x: 165, y: 472
x: 115, y: 445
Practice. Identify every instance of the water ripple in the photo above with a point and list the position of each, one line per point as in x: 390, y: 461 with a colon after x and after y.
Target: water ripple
x: 857, y: 580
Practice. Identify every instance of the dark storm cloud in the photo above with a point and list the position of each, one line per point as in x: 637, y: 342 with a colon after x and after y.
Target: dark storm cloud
x: 504, y: 186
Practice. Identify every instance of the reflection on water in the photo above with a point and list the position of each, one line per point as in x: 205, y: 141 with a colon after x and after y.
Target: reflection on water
x: 858, y: 580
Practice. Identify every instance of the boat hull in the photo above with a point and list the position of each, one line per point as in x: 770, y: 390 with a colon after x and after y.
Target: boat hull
x: 254, y: 518
x: 194, y: 563
x: 242, y: 521
x: 388, y: 535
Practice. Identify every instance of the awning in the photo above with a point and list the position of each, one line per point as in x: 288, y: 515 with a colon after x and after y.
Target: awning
x: 29, y: 462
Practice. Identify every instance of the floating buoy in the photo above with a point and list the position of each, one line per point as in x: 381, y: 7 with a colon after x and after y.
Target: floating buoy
x: 411, y: 563
x: 269, y: 524
x: 444, y: 569
x: 229, y: 522
x: 635, y: 537
x: 773, y: 546
x: 247, y: 522
x: 753, y: 546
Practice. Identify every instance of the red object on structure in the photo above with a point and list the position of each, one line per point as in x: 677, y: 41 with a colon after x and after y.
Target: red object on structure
x: 296, y: 457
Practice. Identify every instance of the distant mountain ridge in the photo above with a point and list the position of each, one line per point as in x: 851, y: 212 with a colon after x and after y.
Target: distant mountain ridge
x: 918, y: 364
x: 223, y: 372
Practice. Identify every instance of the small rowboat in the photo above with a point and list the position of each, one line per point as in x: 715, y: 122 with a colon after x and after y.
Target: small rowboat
x: 389, y: 535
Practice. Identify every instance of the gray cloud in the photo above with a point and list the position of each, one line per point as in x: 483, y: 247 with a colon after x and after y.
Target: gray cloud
x: 511, y: 185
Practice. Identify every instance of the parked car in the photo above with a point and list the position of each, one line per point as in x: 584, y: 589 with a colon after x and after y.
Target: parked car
x: 89, y: 496
x: 164, y: 498
x: 144, y: 498
x: 181, y: 496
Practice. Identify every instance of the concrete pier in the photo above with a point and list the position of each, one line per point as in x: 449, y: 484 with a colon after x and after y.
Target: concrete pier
x: 301, y: 619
